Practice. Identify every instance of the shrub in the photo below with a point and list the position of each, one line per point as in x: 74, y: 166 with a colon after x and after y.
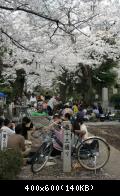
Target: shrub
x: 10, y: 164
x: 115, y: 100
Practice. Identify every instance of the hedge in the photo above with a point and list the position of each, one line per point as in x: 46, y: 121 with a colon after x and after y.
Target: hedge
x: 10, y: 164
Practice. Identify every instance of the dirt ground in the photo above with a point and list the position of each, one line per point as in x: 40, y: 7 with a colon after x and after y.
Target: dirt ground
x: 55, y: 172
x: 110, y: 132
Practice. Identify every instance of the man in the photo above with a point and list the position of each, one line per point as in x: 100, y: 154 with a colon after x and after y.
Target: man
x: 33, y: 99
x: 40, y: 111
x: 16, y: 142
x: 8, y: 127
x: 51, y: 103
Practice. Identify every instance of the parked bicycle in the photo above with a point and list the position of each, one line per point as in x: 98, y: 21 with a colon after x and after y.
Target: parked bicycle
x: 92, y: 153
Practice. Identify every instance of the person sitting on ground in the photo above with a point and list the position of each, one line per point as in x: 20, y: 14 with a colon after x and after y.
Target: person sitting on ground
x: 39, y: 111
x: 80, y: 128
x: 96, y: 111
x: 45, y: 106
x: 67, y: 109
x: 67, y: 121
x: 8, y: 126
x: 33, y: 99
x: 18, y: 142
x: 15, y: 141
x: 100, y: 109
x: 23, y: 128
x: 81, y: 113
x: 75, y: 108
x: 55, y: 127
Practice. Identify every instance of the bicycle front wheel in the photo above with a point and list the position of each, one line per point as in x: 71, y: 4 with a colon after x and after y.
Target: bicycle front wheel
x: 41, y: 157
x: 37, y: 134
x: 93, y: 153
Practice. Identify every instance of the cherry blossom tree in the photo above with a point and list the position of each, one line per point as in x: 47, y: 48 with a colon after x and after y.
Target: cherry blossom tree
x: 60, y: 32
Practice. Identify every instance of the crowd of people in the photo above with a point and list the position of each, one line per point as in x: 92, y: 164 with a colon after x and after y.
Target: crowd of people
x: 72, y: 114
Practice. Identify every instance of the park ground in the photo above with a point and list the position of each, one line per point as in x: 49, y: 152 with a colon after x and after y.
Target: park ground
x: 109, y: 131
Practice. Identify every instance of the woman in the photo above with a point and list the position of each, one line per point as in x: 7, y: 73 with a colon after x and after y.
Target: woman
x: 80, y: 128
x: 23, y: 128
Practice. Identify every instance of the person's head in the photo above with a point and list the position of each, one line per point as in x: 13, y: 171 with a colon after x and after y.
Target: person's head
x: 33, y: 95
x: 67, y: 116
x: 26, y: 121
x: 56, y: 118
x: 94, y: 107
x: 7, y: 122
x: 1, y: 122
x: 80, y: 119
x: 39, y: 108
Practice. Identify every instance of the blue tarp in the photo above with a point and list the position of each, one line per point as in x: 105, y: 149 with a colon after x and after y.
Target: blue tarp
x: 2, y: 95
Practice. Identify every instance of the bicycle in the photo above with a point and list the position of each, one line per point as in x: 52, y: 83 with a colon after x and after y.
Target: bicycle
x: 92, y: 153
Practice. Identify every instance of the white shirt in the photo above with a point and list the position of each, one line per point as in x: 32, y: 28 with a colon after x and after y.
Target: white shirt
x: 84, y: 129
x: 8, y: 130
x: 96, y: 111
x: 52, y: 102
x: 33, y: 99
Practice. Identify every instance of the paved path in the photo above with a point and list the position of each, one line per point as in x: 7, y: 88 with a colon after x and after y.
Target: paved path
x: 113, y: 165
x: 103, y: 123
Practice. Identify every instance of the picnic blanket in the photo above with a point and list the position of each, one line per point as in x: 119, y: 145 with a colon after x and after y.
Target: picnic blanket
x: 40, y: 121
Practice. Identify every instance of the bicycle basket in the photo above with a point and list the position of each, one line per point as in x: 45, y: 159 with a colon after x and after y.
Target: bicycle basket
x: 88, y: 150
x: 85, y: 151
x: 94, y: 146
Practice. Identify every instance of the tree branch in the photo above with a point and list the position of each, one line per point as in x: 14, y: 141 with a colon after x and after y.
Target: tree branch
x: 63, y: 68
x: 79, y: 31
x: 30, y: 12
x: 84, y: 21
x: 54, y: 32
x: 16, y: 43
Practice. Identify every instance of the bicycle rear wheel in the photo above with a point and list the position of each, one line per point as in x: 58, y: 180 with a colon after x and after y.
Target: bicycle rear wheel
x: 93, y: 153
x: 41, y: 157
